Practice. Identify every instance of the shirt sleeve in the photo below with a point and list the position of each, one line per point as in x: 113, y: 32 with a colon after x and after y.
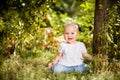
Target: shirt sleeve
x: 83, y: 48
x: 60, y: 49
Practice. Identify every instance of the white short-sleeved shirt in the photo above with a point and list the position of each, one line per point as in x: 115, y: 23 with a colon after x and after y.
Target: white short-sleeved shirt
x: 72, y: 53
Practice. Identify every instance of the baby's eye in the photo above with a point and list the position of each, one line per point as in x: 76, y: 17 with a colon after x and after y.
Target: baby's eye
x: 66, y: 33
x: 72, y: 33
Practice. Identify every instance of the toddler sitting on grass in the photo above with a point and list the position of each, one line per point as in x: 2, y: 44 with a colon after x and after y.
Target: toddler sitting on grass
x: 71, y: 53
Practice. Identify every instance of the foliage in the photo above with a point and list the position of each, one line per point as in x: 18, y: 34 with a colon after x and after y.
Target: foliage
x: 114, y: 31
x: 18, y: 23
x: 23, y: 25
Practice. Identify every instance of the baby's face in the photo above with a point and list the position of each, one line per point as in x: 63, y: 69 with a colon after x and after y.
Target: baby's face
x: 70, y: 34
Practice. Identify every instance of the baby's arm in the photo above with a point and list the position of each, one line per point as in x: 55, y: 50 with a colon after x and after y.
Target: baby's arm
x: 87, y: 56
x: 57, y: 58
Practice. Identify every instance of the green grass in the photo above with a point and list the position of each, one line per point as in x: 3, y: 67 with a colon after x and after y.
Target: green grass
x: 17, y: 68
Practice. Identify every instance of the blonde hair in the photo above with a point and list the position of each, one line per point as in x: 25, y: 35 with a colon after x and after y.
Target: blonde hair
x: 72, y: 24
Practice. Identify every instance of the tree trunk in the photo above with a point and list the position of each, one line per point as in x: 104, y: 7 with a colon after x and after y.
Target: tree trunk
x: 100, y: 30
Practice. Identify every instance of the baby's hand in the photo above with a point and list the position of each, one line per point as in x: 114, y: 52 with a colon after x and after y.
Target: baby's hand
x: 50, y: 65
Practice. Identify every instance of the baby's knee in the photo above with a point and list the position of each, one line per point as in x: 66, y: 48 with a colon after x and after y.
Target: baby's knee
x: 57, y: 69
x: 82, y: 68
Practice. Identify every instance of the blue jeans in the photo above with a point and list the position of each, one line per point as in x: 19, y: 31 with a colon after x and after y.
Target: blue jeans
x: 58, y: 68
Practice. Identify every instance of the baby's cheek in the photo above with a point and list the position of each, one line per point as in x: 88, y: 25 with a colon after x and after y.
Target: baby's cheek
x: 75, y: 33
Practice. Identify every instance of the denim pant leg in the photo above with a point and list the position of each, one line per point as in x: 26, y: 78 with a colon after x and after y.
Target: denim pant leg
x: 81, y: 68
x: 58, y: 68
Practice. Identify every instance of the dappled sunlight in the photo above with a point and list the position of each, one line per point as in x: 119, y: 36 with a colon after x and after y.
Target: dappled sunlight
x: 31, y: 31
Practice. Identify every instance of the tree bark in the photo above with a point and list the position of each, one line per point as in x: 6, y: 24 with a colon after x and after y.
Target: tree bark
x: 99, y: 37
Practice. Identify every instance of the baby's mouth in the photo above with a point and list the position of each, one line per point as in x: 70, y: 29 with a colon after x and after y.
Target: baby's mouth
x: 69, y: 38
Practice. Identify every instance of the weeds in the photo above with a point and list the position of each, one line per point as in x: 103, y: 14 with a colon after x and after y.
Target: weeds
x: 17, y: 68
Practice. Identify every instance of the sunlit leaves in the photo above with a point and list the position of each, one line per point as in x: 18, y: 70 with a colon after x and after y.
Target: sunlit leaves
x: 1, y: 25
